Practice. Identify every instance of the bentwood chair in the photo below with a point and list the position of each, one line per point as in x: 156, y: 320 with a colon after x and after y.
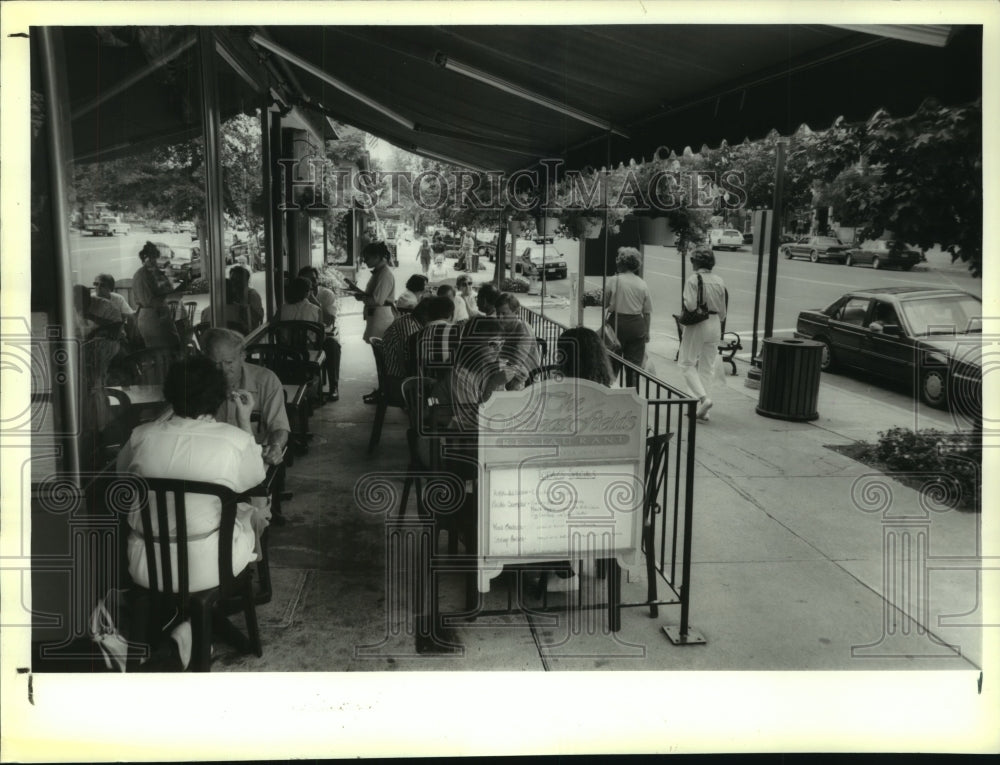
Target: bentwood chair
x: 171, y: 601
x: 389, y: 393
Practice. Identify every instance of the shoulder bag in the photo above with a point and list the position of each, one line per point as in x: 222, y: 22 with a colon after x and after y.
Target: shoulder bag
x: 700, y: 313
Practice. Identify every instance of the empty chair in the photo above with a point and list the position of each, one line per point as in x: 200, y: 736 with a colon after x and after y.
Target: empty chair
x: 389, y: 393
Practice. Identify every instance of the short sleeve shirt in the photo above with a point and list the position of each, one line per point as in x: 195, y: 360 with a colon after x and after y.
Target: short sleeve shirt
x: 269, y: 400
x: 628, y: 294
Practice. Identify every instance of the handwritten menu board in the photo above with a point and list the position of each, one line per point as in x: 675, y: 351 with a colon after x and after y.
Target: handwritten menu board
x: 562, y: 475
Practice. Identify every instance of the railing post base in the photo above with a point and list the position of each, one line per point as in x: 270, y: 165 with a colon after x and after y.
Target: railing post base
x: 692, y: 637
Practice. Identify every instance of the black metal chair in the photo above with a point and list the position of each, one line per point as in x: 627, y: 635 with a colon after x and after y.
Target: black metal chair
x: 389, y: 393
x: 206, y: 608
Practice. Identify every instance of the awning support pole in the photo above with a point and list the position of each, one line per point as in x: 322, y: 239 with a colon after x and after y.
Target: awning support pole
x: 214, y: 260
x: 772, y: 263
x: 60, y: 152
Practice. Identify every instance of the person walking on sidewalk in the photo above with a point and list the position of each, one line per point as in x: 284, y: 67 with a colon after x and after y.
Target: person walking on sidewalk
x: 699, y: 349
x: 424, y: 256
x: 628, y: 298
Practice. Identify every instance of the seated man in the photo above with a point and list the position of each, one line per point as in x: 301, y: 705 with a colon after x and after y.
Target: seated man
x: 259, y: 387
x: 104, y: 287
x: 520, y: 347
x: 432, y: 349
x: 225, y: 348
x: 463, y: 284
x: 395, y: 341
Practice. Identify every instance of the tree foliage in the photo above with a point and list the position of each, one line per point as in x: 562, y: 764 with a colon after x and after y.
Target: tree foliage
x: 926, y: 184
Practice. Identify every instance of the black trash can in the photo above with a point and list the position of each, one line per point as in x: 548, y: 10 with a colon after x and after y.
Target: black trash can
x: 789, y: 384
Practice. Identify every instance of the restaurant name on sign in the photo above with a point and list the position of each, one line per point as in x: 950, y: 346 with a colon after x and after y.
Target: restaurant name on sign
x: 562, y: 475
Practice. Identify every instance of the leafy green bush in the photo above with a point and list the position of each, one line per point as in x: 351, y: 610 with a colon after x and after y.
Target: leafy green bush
x: 593, y: 297
x: 958, y: 455
x: 511, y: 284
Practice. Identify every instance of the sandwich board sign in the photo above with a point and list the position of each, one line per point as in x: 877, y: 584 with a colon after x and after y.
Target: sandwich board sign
x: 562, y: 468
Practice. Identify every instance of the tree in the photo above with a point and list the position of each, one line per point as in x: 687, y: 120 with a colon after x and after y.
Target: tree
x: 929, y: 184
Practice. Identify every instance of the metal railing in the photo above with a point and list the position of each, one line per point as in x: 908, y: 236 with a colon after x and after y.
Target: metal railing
x: 671, y: 411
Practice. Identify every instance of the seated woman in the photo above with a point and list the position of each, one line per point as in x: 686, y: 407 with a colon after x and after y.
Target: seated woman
x: 581, y: 355
x: 416, y: 285
x: 191, y: 445
x: 297, y: 306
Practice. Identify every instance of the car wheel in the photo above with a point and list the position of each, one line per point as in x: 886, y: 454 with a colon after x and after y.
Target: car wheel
x: 787, y: 252
x: 876, y: 263
x: 813, y: 256
x: 848, y: 260
x: 934, y: 387
x: 827, y: 362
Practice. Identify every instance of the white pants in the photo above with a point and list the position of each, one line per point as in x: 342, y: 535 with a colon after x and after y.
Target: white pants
x: 699, y: 353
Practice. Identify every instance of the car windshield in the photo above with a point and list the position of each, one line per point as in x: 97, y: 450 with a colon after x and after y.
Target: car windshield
x: 943, y: 315
x: 875, y: 245
x: 731, y: 232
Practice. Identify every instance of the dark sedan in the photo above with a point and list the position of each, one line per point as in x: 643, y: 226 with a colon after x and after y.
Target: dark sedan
x: 929, y: 336
x: 884, y: 253
x: 816, y: 248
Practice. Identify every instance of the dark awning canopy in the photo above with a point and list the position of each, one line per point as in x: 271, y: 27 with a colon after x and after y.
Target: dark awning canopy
x: 482, y: 95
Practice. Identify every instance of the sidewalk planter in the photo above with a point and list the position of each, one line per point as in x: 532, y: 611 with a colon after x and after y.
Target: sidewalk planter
x: 655, y: 231
x: 589, y: 228
x: 789, y: 384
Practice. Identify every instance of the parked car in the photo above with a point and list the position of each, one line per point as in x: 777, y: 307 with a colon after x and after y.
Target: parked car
x: 816, y: 248
x: 884, y: 253
x: 108, y: 225
x: 176, y: 260
x: 163, y: 227
x: 543, y: 239
x: 930, y: 336
x: 554, y: 266
x: 725, y: 238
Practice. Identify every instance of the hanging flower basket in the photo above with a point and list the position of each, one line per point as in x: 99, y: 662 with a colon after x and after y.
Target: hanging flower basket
x: 589, y: 228
x: 548, y: 226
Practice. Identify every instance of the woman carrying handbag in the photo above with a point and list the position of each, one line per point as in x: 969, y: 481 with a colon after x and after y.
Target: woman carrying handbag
x: 703, y: 314
x: 631, y: 307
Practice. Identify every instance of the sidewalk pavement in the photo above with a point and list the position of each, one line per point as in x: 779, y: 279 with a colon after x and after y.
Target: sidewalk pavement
x: 792, y: 568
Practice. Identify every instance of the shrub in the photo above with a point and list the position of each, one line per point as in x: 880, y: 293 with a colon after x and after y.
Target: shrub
x: 331, y: 278
x: 511, y: 284
x: 958, y: 455
x: 593, y: 297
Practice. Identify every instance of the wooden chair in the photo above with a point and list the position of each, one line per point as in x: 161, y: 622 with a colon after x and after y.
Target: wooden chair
x: 124, y: 288
x: 203, y: 608
x: 293, y: 368
x: 307, y: 336
x: 389, y: 393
